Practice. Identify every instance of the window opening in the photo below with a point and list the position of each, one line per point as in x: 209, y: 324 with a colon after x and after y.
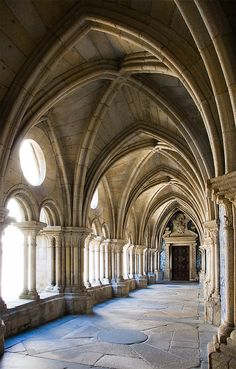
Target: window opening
x: 32, y: 162
x: 12, y: 266
x: 94, y: 202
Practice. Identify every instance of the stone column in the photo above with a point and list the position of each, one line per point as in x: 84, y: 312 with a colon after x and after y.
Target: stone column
x: 145, y: 261
x: 75, y: 244
x: 227, y: 325
x: 86, y: 263
x: 119, y: 261
x: 120, y: 287
x: 92, y: 261
x: 31, y: 228
x: 141, y: 280
x: 63, y: 262
x: 33, y: 294
x: 132, y: 261
x: 78, y: 301
x: 214, y: 234
x: 158, y: 273
x: 113, y: 263
x: 107, y: 279
x: 126, y: 262
x: 102, y: 262
x: 151, y: 262
x: 24, y: 293
x: 58, y: 248
x: 51, y: 248
x: 202, y: 273
x: 97, y: 242
x: 167, y: 263
x: 192, y: 261
x: 136, y: 261
x: 67, y: 240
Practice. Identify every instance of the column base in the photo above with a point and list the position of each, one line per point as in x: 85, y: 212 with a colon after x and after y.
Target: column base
x: 213, y: 310
x: 132, y: 284
x: 57, y: 289
x: 167, y: 275
x: 159, y: 275
x: 141, y: 282
x: 87, y: 284
x: 78, y: 303
x: 224, y: 332
x: 33, y: 295
x: 202, y: 276
x: 222, y: 355
x: 120, y: 289
x: 106, y: 281
x: 151, y: 278
x: 49, y: 288
x: 24, y: 295
x: 2, y: 333
x: 97, y: 284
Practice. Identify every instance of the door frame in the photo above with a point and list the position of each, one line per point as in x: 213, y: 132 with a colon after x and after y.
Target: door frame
x: 171, y: 262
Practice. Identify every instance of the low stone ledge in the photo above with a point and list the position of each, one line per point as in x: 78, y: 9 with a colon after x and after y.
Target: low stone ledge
x: 32, y: 314
x: 100, y: 293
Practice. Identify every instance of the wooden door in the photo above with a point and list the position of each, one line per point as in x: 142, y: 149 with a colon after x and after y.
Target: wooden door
x: 180, y: 263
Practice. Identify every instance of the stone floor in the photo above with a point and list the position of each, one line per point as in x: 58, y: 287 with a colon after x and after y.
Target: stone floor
x: 160, y: 327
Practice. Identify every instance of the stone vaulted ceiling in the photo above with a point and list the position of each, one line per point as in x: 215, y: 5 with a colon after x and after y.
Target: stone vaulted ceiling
x: 130, y: 96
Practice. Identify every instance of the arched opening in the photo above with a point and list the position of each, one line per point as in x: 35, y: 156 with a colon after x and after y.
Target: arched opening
x: 12, y: 256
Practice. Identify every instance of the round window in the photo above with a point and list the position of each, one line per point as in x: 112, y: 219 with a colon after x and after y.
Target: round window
x: 94, y: 202
x: 32, y: 162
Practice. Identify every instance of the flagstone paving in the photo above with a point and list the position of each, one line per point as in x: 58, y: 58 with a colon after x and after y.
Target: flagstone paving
x: 160, y: 327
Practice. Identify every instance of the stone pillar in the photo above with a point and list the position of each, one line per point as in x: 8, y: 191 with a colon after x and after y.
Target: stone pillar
x: 92, y: 261
x: 158, y: 272
x: 63, y: 262
x: 102, y: 262
x: 145, y: 261
x: 107, y: 249
x: 151, y: 262
x: 58, y: 248
x: 119, y: 261
x: 25, y: 292
x: 51, y: 248
x: 86, y: 262
x: 203, y: 264
x: 227, y: 325
x: 113, y: 262
x: 30, y: 228
x: 33, y: 294
x: 78, y: 301
x: 192, y: 254
x: 97, y: 242
x: 167, y: 263
x: 141, y: 280
x: 67, y: 240
x: 222, y: 350
x: 119, y: 286
x: 132, y: 261
x: 126, y: 261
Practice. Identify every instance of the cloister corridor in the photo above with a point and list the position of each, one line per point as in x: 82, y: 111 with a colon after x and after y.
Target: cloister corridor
x: 161, y: 327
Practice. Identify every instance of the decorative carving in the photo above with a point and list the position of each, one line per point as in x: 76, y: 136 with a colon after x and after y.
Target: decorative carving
x: 228, y: 220
x: 179, y: 223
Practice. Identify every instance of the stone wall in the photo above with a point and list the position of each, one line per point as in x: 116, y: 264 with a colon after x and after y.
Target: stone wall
x: 35, y: 313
